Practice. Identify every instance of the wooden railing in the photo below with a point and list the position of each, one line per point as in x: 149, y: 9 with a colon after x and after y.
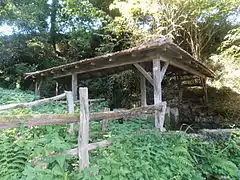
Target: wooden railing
x: 34, y: 103
x: 83, y: 118
x: 51, y: 119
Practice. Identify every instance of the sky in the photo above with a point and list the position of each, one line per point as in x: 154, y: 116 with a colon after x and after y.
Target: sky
x: 9, y: 30
x: 6, y: 30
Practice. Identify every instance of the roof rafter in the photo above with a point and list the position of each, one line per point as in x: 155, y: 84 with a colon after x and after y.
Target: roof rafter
x: 161, y: 48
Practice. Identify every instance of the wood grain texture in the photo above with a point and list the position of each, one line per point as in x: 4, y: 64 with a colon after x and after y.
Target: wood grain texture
x: 104, y: 125
x: 143, y: 90
x: 157, y: 91
x: 144, y: 73
x: 83, y: 134
x: 91, y: 146
x: 143, y: 53
x: 164, y: 69
x: 50, y: 119
x: 74, y: 86
x: 70, y: 105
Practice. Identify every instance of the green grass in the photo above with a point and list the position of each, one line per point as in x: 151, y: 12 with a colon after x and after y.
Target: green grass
x: 137, y: 151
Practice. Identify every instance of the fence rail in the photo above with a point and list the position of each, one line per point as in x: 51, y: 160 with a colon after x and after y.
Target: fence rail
x: 51, y: 119
x: 83, y: 118
x: 43, y: 101
x: 34, y: 103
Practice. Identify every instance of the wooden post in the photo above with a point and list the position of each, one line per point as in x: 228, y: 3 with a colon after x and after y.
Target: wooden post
x: 83, y: 136
x: 56, y: 88
x: 162, y: 115
x: 159, y: 121
x: 105, y: 121
x: 143, y: 90
x: 36, y: 88
x: 204, y: 85
x: 180, y: 90
x: 70, y: 105
x: 74, y: 86
x: 38, y: 84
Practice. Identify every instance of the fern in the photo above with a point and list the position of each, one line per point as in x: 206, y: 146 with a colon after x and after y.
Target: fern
x: 12, y: 158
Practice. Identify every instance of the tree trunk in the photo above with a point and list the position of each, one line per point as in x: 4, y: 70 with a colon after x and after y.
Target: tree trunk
x: 53, y: 23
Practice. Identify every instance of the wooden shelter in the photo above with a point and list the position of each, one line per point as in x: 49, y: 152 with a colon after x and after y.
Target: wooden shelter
x: 158, y: 57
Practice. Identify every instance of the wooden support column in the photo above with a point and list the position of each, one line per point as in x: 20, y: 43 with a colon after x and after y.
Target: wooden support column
x: 148, y: 76
x: 74, y: 86
x: 159, y: 121
x: 143, y: 90
x: 36, y: 88
x: 204, y: 85
x: 38, y: 83
x: 56, y: 88
x: 180, y: 90
x: 83, y: 134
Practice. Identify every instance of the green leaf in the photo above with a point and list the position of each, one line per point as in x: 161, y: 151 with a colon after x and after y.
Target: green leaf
x: 57, y: 170
x: 60, y: 160
x: 228, y: 166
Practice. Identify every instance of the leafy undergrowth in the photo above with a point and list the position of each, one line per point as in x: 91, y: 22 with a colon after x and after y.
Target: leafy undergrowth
x: 137, y: 152
x: 18, y: 96
x: 10, y: 96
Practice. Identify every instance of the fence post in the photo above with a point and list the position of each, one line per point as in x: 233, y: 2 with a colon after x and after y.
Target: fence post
x: 83, y: 134
x: 105, y: 121
x: 70, y: 105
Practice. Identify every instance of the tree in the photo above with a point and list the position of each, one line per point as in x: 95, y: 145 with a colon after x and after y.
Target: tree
x: 198, y: 26
x: 226, y: 61
x: 28, y: 16
x: 54, y: 9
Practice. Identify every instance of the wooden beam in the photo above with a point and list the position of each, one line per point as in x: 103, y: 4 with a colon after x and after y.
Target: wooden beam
x: 144, y: 73
x: 83, y: 134
x: 191, y: 85
x: 50, y: 119
x: 74, y: 151
x: 106, y: 63
x: 91, y: 146
x: 74, y: 86
x: 182, y: 66
x: 164, y: 69
x: 157, y: 92
x: 143, y: 90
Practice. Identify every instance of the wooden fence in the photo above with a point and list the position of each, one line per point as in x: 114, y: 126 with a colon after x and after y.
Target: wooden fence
x: 83, y: 118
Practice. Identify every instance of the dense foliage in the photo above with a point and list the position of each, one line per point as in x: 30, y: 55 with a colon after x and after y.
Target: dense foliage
x: 136, y: 152
x: 46, y: 33
x: 80, y: 29
x: 228, y: 61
